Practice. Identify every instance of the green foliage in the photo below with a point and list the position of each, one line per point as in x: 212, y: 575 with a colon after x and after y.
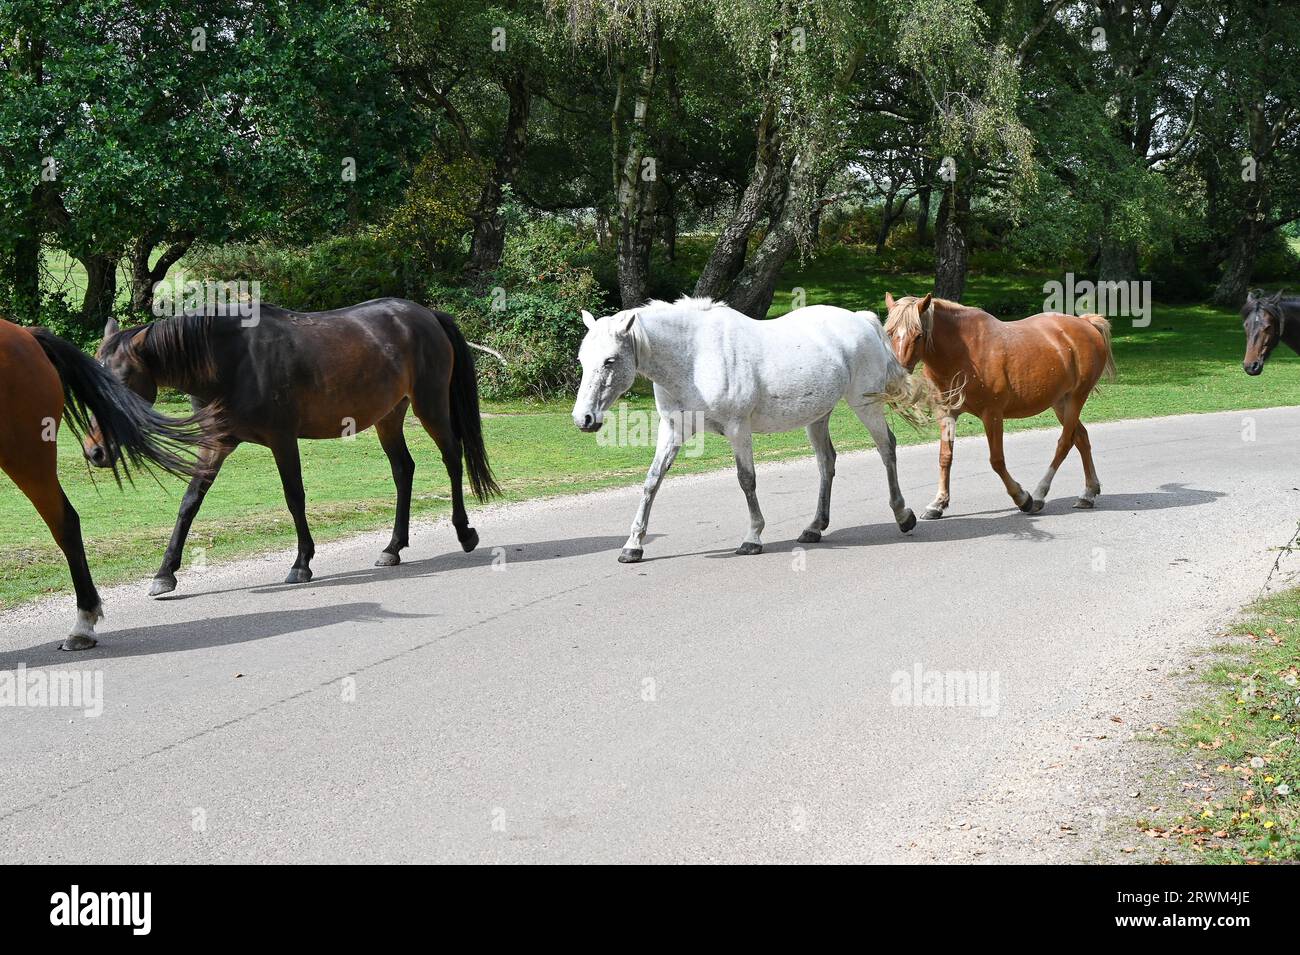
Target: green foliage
x: 434, y: 215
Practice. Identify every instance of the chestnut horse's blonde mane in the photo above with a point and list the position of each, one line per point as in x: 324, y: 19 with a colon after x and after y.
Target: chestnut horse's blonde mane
x: 906, y: 316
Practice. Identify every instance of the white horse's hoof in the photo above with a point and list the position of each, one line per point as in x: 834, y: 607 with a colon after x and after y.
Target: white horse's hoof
x: 630, y: 555
x: 749, y: 548
x: 907, y: 523
x: 810, y: 536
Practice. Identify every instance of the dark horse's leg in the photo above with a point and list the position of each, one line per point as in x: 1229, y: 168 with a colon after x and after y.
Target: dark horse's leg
x: 164, y: 582
x: 434, y: 412
x: 290, y: 465
x: 393, y: 442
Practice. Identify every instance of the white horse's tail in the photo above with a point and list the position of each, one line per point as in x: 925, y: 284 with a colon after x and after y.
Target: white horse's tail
x: 913, y: 397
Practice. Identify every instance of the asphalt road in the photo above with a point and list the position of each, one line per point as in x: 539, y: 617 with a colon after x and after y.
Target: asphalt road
x: 536, y: 701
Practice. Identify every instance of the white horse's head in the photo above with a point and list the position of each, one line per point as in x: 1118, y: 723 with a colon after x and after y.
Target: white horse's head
x: 608, y: 356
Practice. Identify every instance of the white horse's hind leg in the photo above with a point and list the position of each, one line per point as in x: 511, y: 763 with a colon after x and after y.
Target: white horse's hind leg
x: 742, y: 443
x: 670, y: 442
x: 872, y: 415
x: 82, y: 635
x: 819, y: 433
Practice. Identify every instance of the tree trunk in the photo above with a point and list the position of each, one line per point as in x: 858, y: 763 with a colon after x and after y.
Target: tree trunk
x: 489, y: 238
x: 923, y: 216
x: 950, y: 242
x: 144, y: 277
x: 888, y: 216
x: 637, y: 194
x: 101, y: 290
x: 755, y: 286
x: 1238, y: 267
x: 1118, y: 261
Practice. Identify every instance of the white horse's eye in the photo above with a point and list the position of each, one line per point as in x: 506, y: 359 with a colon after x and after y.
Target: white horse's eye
x: 609, y: 362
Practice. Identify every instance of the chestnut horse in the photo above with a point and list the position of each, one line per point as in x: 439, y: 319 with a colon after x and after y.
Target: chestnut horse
x: 41, y: 378
x: 1268, y: 319
x: 287, y: 375
x: 996, y: 370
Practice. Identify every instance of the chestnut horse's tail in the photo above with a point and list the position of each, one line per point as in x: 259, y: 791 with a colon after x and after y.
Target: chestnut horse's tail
x: 466, y: 420
x: 134, y: 434
x: 1100, y: 323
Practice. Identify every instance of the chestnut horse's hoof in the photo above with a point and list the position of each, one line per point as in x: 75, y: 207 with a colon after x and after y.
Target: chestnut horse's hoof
x: 907, y: 523
x: 630, y: 555
x: 810, y: 536
x: 1038, y: 505
x: 1084, y: 504
x: 298, y: 575
x: 470, y: 540
x: 388, y: 559
x: 77, y: 641
x: 162, y: 585
x: 749, y: 548
x: 1027, y: 504
x: 931, y: 514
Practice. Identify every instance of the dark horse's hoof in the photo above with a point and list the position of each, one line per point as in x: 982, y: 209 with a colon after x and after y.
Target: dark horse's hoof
x: 810, y: 536
x: 749, y: 548
x: 630, y: 555
x: 1027, y: 504
x: 908, y: 522
x: 470, y: 540
x: 162, y: 585
x: 388, y: 559
x: 298, y: 575
x: 77, y: 642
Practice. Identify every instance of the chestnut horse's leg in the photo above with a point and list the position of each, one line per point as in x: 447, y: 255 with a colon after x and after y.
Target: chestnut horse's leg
x: 393, y: 441
x: 1067, y: 412
x: 37, y: 479
x: 164, y: 582
x: 873, y: 416
x: 1091, y: 486
x: 947, y: 433
x: 819, y: 433
x: 742, y: 444
x: 993, y: 431
x: 289, y: 462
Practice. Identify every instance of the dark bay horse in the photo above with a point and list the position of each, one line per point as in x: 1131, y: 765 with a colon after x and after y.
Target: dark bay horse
x: 997, y: 370
x: 42, y: 378
x: 1268, y: 319
x: 284, y: 375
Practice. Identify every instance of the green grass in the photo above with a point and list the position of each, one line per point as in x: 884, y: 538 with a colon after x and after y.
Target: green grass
x: 1247, y: 736
x: 1188, y: 360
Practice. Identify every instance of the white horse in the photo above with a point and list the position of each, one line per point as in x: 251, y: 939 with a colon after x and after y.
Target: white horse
x: 717, y: 370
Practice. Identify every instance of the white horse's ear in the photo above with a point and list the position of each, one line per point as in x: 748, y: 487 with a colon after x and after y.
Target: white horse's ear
x: 625, y: 325
x: 925, y: 303
x: 588, y: 319
x: 111, y: 328
x: 889, y: 302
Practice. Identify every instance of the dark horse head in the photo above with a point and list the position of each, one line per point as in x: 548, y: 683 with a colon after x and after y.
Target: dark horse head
x: 129, y: 356
x: 1264, y: 318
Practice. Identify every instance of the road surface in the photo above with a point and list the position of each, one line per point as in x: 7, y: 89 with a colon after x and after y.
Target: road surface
x: 536, y: 701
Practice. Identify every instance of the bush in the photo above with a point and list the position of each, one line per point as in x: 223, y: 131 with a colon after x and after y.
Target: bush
x: 529, y: 310
x: 333, y: 273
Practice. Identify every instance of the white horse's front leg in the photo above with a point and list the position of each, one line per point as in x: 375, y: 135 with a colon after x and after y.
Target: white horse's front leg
x: 742, y: 443
x: 670, y: 442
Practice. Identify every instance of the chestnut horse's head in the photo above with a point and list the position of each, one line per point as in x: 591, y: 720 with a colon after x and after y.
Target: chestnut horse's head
x: 119, y: 353
x: 908, y: 325
x: 1263, y: 318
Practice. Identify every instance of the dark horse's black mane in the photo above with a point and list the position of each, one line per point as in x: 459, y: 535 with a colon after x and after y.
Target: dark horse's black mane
x: 180, y: 347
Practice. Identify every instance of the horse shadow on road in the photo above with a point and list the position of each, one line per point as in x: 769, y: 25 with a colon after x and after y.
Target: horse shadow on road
x: 203, y: 633
x: 1003, y: 522
x: 485, y: 556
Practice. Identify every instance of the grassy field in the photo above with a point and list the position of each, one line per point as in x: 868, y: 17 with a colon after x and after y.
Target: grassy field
x: 1245, y: 741
x: 1188, y: 360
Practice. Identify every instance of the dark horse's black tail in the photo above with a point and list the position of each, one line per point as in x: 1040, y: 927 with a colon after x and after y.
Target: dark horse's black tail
x: 465, y: 418
x: 131, y: 431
